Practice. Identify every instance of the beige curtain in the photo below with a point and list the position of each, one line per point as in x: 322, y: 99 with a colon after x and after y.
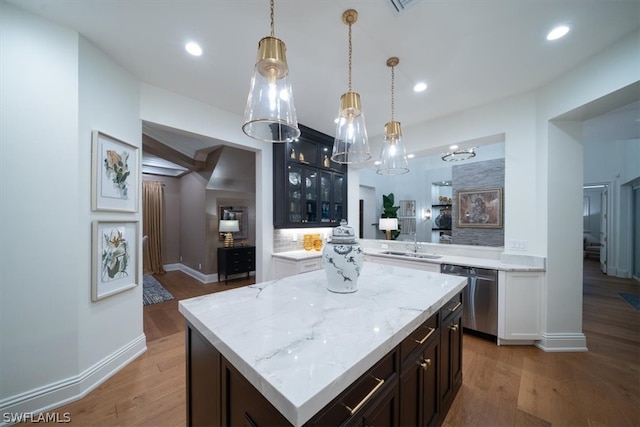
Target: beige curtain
x: 152, y: 212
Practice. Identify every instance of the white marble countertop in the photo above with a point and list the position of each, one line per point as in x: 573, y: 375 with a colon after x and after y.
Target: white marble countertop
x: 298, y: 255
x: 468, y: 261
x: 301, y: 345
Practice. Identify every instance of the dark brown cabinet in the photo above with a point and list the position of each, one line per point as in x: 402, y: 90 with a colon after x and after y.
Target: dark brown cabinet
x: 419, y: 379
x: 309, y: 190
x: 450, y: 351
x: 236, y: 260
x: 412, y: 385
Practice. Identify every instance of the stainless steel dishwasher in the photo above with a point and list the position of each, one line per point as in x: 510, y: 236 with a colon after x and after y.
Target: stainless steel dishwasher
x: 479, y: 299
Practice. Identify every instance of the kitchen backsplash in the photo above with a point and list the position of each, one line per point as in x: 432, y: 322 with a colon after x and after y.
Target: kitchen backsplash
x: 283, y: 239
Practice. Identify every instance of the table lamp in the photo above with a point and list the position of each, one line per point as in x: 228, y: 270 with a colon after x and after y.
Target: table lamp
x: 228, y: 226
x: 388, y: 224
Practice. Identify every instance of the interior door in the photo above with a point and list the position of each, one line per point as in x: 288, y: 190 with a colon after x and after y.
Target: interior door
x: 604, y: 220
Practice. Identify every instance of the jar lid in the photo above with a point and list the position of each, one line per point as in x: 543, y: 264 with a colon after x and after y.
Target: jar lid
x: 343, y: 233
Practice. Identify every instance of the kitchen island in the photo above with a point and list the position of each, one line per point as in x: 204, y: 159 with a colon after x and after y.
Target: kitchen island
x: 289, y: 351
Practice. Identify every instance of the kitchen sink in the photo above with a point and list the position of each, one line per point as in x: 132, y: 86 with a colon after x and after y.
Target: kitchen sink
x: 411, y: 255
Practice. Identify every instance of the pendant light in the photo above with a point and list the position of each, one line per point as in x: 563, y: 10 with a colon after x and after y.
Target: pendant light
x: 393, y: 157
x: 351, y: 144
x: 270, y: 115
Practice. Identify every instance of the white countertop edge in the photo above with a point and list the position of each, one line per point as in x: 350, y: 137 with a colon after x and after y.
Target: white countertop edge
x: 458, y: 260
x: 298, y: 415
x: 298, y: 255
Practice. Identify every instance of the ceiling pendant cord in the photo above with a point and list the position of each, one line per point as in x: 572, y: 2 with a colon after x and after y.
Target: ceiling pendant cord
x: 393, y: 79
x: 271, y: 15
x: 350, y: 54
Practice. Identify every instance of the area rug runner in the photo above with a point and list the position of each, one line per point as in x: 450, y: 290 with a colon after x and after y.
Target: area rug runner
x: 153, y: 292
x: 632, y: 299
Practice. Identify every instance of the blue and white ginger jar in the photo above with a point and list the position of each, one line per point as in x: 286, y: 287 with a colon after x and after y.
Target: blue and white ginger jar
x: 342, y: 259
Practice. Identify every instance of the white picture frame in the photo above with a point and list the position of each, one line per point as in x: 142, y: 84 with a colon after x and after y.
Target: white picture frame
x: 114, y: 257
x: 114, y: 174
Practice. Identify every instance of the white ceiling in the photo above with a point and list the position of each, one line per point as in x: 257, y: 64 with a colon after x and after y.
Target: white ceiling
x: 470, y: 52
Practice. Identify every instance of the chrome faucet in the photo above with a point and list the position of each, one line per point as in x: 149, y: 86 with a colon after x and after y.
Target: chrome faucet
x: 416, y: 246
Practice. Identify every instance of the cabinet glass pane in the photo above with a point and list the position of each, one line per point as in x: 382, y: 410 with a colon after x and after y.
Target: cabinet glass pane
x: 337, y: 212
x: 337, y: 188
x: 294, y: 194
x: 325, y: 197
x: 303, y: 151
x: 311, y: 195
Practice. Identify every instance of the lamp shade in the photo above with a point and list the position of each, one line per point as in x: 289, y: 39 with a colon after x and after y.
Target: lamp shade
x: 229, y: 226
x: 393, y: 157
x: 387, y: 224
x: 351, y: 144
x: 270, y: 114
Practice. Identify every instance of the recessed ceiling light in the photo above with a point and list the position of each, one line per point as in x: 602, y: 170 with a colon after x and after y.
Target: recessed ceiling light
x: 193, y: 48
x: 410, y: 156
x: 558, y: 32
x: 420, y: 87
x: 377, y: 162
x: 453, y: 147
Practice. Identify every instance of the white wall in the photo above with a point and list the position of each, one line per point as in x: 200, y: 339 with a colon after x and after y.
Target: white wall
x: 55, y: 344
x: 40, y: 201
x: 108, y: 101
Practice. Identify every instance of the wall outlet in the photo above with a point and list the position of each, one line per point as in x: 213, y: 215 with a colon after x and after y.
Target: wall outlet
x: 199, y: 266
x: 180, y: 258
x: 518, y: 245
x: 384, y: 246
x: 295, y: 237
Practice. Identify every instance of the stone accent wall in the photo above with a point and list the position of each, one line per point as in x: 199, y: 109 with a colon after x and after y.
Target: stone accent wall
x: 471, y: 176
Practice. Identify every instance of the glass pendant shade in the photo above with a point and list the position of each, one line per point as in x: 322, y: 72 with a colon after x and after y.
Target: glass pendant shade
x: 270, y: 114
x: 393, y: 157
x: 351, y: 144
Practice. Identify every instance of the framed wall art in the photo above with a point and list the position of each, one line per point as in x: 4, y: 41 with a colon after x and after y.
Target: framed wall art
x: 114, y: 257
x: 479, y: 208
x: 114, y: 174
x: 240, y: 214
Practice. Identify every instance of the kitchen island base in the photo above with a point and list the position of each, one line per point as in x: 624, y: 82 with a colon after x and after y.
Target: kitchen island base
x: 413, y: 384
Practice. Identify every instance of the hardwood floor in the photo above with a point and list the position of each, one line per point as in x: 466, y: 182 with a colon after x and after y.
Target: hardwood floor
x: 502, y: 386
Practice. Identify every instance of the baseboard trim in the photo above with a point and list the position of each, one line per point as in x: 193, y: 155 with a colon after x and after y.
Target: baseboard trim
x: 65, y: 391
x: 563, y: 342
x: 204, y: 278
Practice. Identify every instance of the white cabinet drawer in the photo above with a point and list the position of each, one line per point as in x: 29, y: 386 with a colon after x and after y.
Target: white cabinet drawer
x: 309, y: 265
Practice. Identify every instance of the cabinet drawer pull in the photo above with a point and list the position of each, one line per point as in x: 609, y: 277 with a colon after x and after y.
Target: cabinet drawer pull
x: 425, y: 365
x: 367, y: 397
x: 431, y: 331
x: 454, y: 328
x: 456, y: 307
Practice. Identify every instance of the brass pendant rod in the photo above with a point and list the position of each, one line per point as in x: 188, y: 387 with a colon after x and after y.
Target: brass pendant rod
x: 393, y: 78
x: 392, y: 62
x: 350, y: 50
x: 349, y: 17
x: 272, y: 20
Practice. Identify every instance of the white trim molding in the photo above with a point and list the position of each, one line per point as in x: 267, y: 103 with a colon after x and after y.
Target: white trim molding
x: 204, y: 278
x: 563, y: 342
x: 68, y: 390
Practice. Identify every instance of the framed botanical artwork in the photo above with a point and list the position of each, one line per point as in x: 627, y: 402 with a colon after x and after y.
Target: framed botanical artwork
x: 114, y: 174
x: 114, y: 257
x: 480, y: 208
x: 240, y: 214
